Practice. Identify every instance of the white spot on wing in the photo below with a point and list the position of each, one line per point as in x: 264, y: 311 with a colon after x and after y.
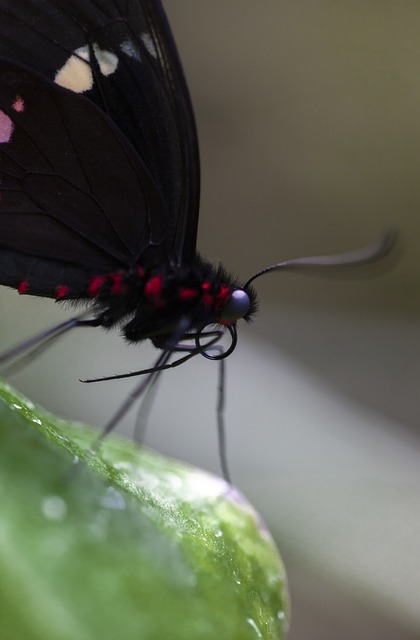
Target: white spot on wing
x: 129, y: 48
x: 108, y: 61
x: 76, y: 73
x: 149, y: 44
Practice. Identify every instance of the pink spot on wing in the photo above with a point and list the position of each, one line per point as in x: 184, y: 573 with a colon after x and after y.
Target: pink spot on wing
x: 6, y: 127
x: 19, y: 104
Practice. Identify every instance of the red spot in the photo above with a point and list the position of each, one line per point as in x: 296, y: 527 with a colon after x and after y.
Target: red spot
x: 153, y: 287
x: 153, y: 291
x: 61, y: 291
x: 225, y: 323
x: 117, y: 283
x: 140, y: 272
x: 207, y: 298
x: 95, y: 285
x: 187, y: 294
x: 19, y: 104
x: 222, y: 295
x: 23, y: 286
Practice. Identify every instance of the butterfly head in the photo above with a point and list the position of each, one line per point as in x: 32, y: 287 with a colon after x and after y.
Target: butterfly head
x: 237, y: 306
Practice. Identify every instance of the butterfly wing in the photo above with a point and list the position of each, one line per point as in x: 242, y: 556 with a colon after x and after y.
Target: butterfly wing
x: 98, y: 151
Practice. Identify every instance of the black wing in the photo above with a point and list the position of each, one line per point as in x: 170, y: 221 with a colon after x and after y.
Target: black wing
x: 98, y: 153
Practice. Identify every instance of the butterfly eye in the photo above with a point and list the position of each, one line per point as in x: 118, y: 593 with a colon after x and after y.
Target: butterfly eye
x: 236, y: 307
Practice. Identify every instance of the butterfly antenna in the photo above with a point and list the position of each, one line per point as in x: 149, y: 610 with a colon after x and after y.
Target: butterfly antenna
x: 370, y: 253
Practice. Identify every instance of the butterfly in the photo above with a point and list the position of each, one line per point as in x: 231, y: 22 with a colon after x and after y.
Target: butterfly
x: 99, y: 181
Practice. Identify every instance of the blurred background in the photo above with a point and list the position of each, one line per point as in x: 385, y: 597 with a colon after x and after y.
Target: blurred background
x: 309, y: 123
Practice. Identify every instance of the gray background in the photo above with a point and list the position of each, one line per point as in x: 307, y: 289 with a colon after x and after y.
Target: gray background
x: 308, y: 114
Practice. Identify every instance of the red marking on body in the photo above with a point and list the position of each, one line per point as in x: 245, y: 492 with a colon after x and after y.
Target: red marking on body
x: 225, y: 323
x: 153, y: 287
x: 19, y: 104
x: 95, y: 285
x: 141, y: 272
x: 187, y: 294
x: 61, y: 291
x: 23, y: 286
x: 222, y: 295
x: 207, y: 298
x: 153, y: 291
x: 117, y: 283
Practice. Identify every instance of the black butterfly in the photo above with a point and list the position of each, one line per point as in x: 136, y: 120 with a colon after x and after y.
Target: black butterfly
x: 99, y: 175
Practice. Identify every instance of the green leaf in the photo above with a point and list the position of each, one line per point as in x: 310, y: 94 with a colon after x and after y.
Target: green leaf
x: 126, y: 543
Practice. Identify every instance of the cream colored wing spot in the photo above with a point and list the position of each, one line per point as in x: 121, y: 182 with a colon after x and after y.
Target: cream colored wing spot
x: 76, y: 73
x: 108, y: 61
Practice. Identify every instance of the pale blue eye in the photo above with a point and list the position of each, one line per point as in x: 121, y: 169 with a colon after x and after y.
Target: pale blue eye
x: 237, y: 306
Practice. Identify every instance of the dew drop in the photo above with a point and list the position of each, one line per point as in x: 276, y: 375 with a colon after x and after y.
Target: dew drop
x: 255, y: 627
x: 54, y: 507
x: 113, y: 499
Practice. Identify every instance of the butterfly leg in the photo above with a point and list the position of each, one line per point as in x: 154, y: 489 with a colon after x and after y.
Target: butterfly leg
x: 146, y: 383
x: 214, y: 337
x: 22, y: 354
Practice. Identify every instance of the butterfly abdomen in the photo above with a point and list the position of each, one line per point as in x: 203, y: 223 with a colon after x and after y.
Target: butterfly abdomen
x: 147, y: 301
